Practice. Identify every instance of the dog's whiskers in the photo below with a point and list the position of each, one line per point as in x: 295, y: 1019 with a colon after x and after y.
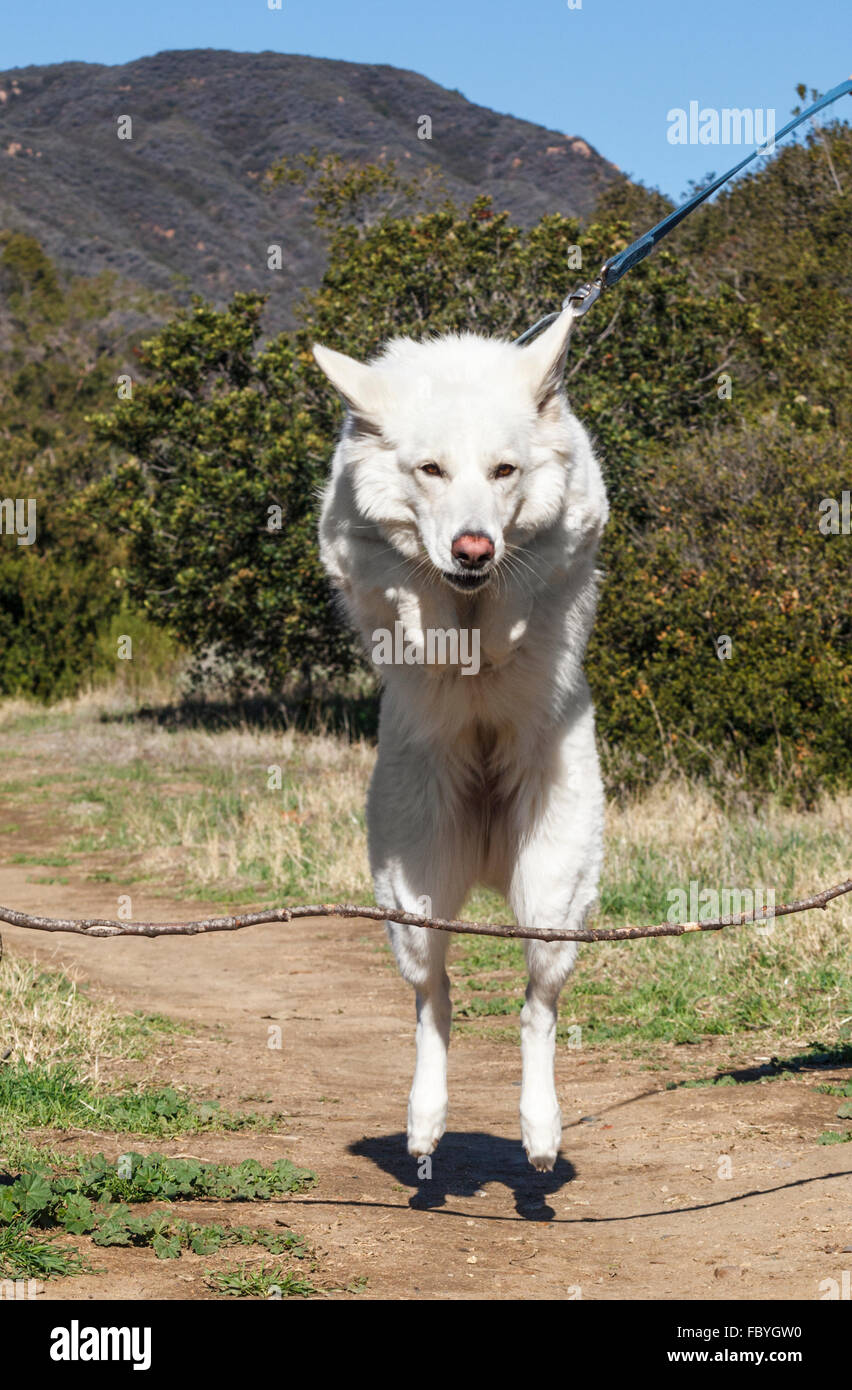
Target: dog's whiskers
x: 516, y: 552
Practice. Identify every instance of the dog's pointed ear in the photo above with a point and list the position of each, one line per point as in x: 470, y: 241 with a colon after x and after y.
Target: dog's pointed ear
x: 544, y: 358
x: 354, y: 381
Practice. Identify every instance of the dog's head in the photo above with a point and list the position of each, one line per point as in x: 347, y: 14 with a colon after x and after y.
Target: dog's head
x: 460, y: 446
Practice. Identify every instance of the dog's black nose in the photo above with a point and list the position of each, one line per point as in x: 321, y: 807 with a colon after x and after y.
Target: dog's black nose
x: 473, y: 549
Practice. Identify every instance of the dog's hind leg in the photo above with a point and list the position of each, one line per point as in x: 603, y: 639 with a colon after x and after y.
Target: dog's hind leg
x: 552, y: 887
x: 419, y: 865
x: 549, y: 965
x: 421, y: 956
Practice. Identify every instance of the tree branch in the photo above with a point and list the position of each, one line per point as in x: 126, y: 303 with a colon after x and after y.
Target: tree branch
x: 99, y: 926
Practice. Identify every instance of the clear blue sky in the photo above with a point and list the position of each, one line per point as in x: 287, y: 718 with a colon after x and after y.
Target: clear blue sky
x: 608, y: 71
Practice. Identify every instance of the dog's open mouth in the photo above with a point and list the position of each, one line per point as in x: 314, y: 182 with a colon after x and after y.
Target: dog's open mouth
x: 467, y: 580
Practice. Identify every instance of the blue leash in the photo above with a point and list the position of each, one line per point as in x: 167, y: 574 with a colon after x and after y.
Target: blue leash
x: 612, y: 270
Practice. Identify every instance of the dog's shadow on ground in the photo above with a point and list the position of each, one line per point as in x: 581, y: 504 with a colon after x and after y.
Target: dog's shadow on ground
x: 462, y: 1165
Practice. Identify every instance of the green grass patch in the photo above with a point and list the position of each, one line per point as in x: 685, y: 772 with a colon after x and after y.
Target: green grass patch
x: 780, y: 1069
x: 679, y: 991
x: 55, y: 1098
x: 26, y: 1253
x: 34, y: 720
x: 273, y: 1283
x: 43, y: 861
x: 487, y: 1008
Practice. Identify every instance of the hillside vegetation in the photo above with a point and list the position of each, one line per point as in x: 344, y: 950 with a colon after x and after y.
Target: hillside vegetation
x: 176, y: 199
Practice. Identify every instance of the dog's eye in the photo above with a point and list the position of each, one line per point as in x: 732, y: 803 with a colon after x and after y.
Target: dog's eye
x: 504, y: 470
x: 432, y: 469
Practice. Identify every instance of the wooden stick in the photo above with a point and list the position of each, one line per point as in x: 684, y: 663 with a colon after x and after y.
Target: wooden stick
x: 98, y: 926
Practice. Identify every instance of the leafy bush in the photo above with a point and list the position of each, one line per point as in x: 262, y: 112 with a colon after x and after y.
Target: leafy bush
x: 57, y: 596
x: 731, y: 550
x: 217, y: 499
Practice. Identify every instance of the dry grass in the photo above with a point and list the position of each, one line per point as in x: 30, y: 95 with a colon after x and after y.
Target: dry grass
x: 283, y: 811
x: 47, y: 1019
x: 235, y: 812
x: 681, y: 832
x: 253, y: 815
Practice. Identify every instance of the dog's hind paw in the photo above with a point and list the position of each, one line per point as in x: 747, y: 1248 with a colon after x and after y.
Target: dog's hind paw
x: 543, y: 1163
x: 424, y: 1131
x: 541, y: 1141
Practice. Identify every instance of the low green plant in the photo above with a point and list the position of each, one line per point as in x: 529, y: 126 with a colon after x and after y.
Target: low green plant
x: 273, y: 1282
x: 92, y: 1197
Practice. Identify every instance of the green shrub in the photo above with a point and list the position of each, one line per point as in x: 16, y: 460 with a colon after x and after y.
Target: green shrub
x: 732, y: 549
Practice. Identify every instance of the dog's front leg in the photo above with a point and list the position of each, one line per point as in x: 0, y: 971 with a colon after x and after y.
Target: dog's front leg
x: 409, y: 611
x: 503, y: 624
x: 422, y: 611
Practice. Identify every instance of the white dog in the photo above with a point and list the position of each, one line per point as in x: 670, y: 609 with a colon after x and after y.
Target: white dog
x: 464, y: 495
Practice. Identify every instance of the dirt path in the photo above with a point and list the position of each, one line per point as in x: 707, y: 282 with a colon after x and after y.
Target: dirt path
x: 636, y: 1208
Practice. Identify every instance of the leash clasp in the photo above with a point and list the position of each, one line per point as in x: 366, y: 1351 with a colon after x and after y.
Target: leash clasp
x: 584, y: 296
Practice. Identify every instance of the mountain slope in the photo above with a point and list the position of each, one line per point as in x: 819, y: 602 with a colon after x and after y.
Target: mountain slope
x: 181, y: 205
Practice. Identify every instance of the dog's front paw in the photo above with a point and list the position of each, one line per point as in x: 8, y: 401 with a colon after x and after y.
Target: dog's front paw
x: 414, y: 646
x: 541, y: 1138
